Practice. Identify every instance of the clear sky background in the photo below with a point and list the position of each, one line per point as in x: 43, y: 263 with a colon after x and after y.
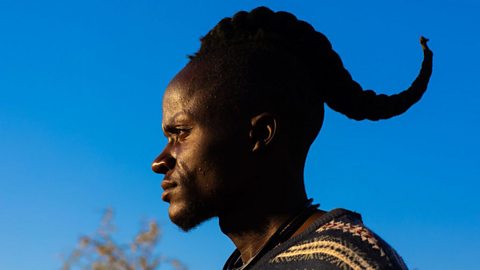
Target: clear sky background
x: 81, y: 84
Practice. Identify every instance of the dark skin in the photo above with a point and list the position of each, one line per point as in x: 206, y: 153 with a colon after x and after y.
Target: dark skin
x: 240, y: 171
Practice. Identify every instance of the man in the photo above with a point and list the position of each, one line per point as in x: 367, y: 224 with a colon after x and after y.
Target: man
x: 240, y: 118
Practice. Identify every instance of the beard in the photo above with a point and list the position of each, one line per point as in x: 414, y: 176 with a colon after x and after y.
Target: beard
x: 199, y: 198
x: 191, y: 214
x: 190, y: 206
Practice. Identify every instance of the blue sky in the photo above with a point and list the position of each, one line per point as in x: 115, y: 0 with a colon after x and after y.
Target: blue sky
x: 81, y: 84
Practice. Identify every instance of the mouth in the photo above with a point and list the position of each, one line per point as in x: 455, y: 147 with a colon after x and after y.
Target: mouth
x: 167, y: 186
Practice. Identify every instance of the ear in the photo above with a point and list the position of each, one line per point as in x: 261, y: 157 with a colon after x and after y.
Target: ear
x: 263, y: 129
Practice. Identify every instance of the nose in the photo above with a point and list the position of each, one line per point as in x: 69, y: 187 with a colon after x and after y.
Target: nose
x: 164, y: 162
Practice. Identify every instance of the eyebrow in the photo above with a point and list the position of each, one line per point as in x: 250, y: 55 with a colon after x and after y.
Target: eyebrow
x: 173, y: 122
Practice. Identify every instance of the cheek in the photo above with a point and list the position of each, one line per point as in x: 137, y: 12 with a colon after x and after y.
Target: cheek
x: 216, y: 164
x: 196, y: 163
x: 202, y: 170
x: 208, y: 181
x: 218, y: 177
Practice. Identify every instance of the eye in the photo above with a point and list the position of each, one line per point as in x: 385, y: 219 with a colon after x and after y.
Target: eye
x: 178, y: 134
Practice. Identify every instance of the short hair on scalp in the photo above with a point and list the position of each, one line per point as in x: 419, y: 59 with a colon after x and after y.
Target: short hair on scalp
x: 287, y: 63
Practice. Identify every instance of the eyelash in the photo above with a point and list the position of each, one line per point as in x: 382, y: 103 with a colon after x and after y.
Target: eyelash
x: 178, y: 133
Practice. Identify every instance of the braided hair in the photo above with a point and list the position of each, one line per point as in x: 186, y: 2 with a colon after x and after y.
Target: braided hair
x: 285, y: 61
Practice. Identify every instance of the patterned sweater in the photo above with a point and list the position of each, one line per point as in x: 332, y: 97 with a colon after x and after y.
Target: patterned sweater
x: 338, y: 240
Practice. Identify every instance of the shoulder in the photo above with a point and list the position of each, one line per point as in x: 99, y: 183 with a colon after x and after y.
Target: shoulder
x: 338, y: 240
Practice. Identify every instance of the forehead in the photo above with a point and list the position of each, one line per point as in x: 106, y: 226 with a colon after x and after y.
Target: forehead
x: 178, y: 101
x: 210, y: 91
x: 186, y: 95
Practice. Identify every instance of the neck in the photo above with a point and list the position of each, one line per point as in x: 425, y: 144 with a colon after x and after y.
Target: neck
x: 252, y: 224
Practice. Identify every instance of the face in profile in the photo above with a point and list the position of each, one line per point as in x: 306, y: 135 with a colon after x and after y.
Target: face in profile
x: 203, y: 157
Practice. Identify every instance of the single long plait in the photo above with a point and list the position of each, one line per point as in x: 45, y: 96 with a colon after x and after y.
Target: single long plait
x: 285, y: 35
x: 348, y: 97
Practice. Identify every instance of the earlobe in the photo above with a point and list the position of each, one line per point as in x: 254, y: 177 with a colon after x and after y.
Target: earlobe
x: 263, y: 129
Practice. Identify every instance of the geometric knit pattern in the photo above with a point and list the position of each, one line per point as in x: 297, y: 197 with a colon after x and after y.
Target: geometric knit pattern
x: 342, y: 255
x: 337, y: 241
x: 356, y: 230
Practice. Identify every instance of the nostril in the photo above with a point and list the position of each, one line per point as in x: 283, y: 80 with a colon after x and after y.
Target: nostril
x: 159, y: 167
x: 163, y: 165
x: 156, y: 166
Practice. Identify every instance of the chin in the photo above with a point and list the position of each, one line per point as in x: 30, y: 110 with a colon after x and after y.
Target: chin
x: 188, y: 217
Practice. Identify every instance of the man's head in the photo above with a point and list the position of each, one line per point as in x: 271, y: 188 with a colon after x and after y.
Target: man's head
x: 249, y: 104
x: 202, y: 160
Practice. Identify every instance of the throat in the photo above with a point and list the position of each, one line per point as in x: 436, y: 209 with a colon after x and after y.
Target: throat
x: 265, y: 233
x: 250, y: 237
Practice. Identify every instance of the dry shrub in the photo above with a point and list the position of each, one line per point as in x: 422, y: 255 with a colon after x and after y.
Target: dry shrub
x: 101, y: 252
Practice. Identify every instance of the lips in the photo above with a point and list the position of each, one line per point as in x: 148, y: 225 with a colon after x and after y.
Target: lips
x: 167, y: 186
